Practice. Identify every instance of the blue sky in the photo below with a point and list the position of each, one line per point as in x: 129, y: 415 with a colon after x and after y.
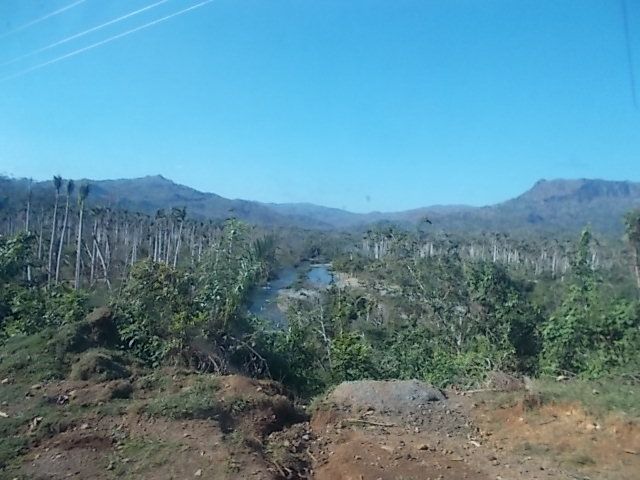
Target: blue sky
x: 364, y: 105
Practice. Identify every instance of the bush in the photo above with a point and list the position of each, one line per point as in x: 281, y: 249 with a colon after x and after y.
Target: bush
x: 153, y: 311
x: 352, y: 358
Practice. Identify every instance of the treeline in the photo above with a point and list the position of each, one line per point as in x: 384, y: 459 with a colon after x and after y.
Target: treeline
x: 192, y: 315
x: 537, y: 254
x: 451, y: 318
x: 422, y: 304
x: 82, y: 245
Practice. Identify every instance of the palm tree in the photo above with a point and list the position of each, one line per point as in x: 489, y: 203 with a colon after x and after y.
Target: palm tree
x: 83, y: 192
x: 57, y: 183
x: 179, y: 214
x: 70, y: 186
x: 159, y: 221
x: 28, y: 211
x: 26, y: 222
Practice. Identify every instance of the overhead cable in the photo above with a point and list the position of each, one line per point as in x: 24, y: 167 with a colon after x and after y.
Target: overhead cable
x: 83, y: 33
x: 41, y: 19
x: 104, y: 42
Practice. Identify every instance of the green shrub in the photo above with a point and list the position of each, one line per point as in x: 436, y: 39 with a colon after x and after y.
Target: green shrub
x: 352, y: 358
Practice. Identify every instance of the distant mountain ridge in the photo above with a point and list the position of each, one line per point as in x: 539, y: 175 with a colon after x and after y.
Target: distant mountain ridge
x: 550, y: 205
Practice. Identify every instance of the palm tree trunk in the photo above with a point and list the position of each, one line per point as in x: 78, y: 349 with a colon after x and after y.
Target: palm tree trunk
x: 41, y: 222
x: 93, y: 251
x: 79, y: 247
x: 178, y: 242
x: 134, y: 248
x: 26, y: 228
x: 61, y: 244
x: 636, y: 266
x: 104, y: 267
x: 54, y: 227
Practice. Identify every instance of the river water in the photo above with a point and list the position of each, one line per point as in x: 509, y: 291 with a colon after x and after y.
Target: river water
x: 263, y: 302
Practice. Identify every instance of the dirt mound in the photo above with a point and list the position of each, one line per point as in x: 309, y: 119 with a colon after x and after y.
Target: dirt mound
x: 384, y: 396
x: 84, y: 394
x: 257, y: 407
x: 99, y: 366
x: 97, y: 329
x: 504, y: 382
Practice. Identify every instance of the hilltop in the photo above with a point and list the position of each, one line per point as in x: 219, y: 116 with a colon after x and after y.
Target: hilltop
x: 549, y: 206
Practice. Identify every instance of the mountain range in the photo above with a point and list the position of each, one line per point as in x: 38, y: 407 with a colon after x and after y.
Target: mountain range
x: 550, y: 205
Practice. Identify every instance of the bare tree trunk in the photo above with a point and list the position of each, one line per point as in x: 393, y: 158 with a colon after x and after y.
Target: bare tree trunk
x: 54, y: 227
x: 192, y: 243
x: 168, y: 244
x: 107, y: 249
x: 61, y: 244
x: 79, y: 247
x: 134, y: 249
x: 104, y: 267
x: 26, y: 228
x: 636, y: 266
x: 40, y: 236
x: 159, y: 252
x: 178, y: 242
x: 93, y: 252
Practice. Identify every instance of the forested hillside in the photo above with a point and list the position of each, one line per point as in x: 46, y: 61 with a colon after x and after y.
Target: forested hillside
x: 405, y: 302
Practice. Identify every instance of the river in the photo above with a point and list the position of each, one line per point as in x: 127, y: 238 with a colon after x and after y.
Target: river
x: 263, y: 302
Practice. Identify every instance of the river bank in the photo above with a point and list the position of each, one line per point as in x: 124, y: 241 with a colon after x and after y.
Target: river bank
x: 270, y: 302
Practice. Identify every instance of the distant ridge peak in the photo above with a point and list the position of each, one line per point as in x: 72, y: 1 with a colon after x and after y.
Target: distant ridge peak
x: 557, y: 205
x: 158, y: 176
x: 582, y: 189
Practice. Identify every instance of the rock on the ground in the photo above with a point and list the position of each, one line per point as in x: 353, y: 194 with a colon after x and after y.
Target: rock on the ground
x: 386, y: 395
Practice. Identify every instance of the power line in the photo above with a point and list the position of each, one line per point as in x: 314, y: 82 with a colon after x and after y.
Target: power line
x: 81, y: 34
x: 41, y: 19
x: 627, y: 38
x: 105, y: 41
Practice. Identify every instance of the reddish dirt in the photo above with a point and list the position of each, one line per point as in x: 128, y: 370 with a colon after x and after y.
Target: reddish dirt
x: 466, y: 438
x: 566, y: 438
x: 134, y: 445
x: 434, y: 441
x: 461, y: 437
x: 162, y: 449
x: 383, y: 455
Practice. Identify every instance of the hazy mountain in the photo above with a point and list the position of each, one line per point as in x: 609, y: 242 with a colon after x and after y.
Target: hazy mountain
x: 570, y: 204
x: 550, y: 205
x: 149, y: 194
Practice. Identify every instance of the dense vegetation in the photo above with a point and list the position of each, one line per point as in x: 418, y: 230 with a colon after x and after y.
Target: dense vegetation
x: 423, y: 304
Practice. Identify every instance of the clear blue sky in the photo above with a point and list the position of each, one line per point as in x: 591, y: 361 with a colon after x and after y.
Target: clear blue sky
x: 365, y: 105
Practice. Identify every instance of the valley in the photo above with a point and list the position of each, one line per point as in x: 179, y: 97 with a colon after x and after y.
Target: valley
x: 167, y: 346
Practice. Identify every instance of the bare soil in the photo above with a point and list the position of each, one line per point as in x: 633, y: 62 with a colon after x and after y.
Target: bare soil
x: 361, y: 431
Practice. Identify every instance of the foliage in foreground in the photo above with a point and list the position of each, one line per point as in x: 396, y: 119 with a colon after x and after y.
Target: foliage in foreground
x: 442, y: 318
